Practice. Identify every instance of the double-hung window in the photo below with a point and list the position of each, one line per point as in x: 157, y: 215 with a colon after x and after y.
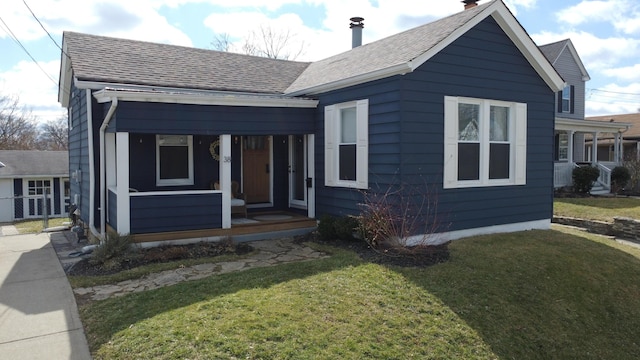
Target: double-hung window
x: 485, y: 142
x: 565, y: 100
x: 174, y: 160
x: 346, y: 144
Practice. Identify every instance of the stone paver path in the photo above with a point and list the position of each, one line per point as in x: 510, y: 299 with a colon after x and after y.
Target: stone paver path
x: 270, y: 252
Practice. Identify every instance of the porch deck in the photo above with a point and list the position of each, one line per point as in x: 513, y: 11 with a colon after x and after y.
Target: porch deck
x: 257, y: 226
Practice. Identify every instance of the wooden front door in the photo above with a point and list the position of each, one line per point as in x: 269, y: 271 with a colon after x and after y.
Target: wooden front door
x: 256, y: 168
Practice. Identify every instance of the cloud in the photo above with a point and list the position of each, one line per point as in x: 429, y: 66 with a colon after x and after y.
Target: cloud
x: 33, y: 88
x: 613, y: 99
x: 625, y: 73
x: 623, y: 15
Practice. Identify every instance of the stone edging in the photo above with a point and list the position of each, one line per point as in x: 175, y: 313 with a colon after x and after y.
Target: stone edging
x: 621, y: 227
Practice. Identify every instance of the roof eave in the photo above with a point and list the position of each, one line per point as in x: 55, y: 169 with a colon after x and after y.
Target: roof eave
x: 202, y: 98
x: 64, y: 81
x: 576, y: 58
x: 399, y: 69
x: 590, y: 125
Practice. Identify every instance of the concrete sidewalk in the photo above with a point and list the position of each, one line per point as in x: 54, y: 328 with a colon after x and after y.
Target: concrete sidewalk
x: 38, y: 312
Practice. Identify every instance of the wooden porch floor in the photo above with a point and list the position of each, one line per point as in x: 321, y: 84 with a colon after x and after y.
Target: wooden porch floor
x: 256, y: 225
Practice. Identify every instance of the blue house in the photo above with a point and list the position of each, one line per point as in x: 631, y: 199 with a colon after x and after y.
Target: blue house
x: 163, y: 138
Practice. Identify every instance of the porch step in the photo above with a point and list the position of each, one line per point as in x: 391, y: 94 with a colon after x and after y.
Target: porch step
x: 599, y: 190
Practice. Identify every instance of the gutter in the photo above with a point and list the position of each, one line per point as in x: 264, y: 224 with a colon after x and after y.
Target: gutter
x: 103, y: 185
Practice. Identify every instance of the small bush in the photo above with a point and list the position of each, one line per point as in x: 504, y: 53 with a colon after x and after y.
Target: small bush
x: 115, y: 250
x: 583, y: 178
x: 327, y: 228
x: 345, y: 227
x: 620, y: 177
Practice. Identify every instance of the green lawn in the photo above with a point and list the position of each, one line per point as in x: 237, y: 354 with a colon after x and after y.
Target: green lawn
x: 35, y: 226
x: 599, y: 208
x: 554, y: 294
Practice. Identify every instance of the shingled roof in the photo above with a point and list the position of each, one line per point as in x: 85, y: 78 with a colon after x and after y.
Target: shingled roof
x: 552, y: 51
x: 19, y: 163
x: 122, y: 61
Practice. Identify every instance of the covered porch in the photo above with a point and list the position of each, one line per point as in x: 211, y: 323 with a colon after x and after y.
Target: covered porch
x: 200, y: 172
x: 571, y: 150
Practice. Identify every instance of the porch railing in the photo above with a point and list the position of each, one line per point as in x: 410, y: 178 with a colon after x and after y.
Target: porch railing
x: 562, y: 174
x: 605, y: 176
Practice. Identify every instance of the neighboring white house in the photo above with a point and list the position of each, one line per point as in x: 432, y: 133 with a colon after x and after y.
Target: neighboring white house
x: 25, y: 175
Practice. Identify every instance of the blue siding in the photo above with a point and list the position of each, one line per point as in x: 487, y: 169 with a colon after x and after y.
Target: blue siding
x: 112, y: 202
x: 159, y: 118
x: 406, y: 141
x: 161, y: 213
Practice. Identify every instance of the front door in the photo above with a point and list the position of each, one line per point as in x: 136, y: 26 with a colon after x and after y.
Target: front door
x: 298, y: 171
x: 256, y: 169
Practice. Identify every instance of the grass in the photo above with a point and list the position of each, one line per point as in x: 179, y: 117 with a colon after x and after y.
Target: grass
x: 599, y: 208
x: 35, y: 226
x: 532, y: 295
x: 138, y: 272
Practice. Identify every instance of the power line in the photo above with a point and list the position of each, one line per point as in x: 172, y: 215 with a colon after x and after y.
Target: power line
x: 7, y: 29
x: 43, y: 28
x: 614, y: 92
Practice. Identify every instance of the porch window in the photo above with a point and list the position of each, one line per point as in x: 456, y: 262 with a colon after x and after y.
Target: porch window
x: 485, y: 142
x: 174, y: 160
x: 346, y: 144
x: 562, y: 146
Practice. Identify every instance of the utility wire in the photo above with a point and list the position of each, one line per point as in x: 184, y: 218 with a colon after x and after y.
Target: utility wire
x: 43, y: 28
x: 7, y: 29
x: 614, y: 92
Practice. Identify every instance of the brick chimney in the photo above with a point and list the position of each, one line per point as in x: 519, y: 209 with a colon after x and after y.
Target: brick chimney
x: 356, y: 31
x: 469, y: 4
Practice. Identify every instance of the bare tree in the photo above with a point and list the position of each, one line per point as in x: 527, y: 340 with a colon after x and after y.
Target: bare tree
x: 266, y: 42
x: 18, y: 129
x: 54, y: 135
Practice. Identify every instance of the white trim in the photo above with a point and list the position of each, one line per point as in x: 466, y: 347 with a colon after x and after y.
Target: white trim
x: 311, y: 170
x: 184, y: 96
x: 225, y: 179
x: 517, y: 140
x: 399, y: 69
x: 172, y: 193
x: 122, y: 181
x: 92, y: 170
x: 64, y: 86
x: 439, y: 238
x: 293, y: 169
x: 590, y: 125
x: 332, y: 144
x: 179, y: 181
x: 103, y: 166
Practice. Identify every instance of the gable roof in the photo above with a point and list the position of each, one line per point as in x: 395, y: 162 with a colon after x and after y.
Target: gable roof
x: 404, y: 52
x: 633, y: 119
x: 110, y: 60
x: 98, y: 60
x: 553, y: 51
x: 19, y: 163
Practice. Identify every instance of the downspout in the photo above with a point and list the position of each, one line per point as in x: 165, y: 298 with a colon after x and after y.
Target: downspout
x: 92, y: 181
x: 103, y: 178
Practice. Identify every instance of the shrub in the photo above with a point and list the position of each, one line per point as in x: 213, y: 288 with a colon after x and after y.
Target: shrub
x: 583, y: 178
x: 345, y: 227
x: 632, y: 163
x: 114, y: 250
x: 620, y: 177
x: 327, y: 228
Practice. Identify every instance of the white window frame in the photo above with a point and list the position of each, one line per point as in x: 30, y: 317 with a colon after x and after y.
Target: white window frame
x: 563, y: 155
x: 567, y: 99
x: 180, y: 181
x: 332, y: 142
x: 517, y: 135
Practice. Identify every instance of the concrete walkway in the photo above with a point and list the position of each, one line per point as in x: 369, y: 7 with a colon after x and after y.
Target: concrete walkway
x: 38, y: 313
x: 270, y: 252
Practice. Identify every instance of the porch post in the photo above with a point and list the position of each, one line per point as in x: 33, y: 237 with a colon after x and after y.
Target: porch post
x: 110, y: 170
x: 594, y: 150
x: 225, y: 179
x: 616, y: 147
x: 311, y: 170
x: 570, y: 149
x: 122, y: 180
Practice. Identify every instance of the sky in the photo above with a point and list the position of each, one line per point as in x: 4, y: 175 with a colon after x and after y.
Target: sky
x: 606, y: 35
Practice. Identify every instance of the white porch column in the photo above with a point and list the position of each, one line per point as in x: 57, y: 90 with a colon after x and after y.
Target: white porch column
x: 110, y: 169
x: 570, y: 149
x: 594, y: 150
x: 311, y: 171
x: 122, y: 180
x: 616, y: 147
x: 225, y: 179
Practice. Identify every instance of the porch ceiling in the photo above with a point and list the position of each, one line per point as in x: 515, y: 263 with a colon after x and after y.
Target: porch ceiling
x: 589, y: 126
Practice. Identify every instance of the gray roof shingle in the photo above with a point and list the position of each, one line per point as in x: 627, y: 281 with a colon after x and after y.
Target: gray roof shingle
x: 552, y: 51
x: 385, y: 53
x: 122, y: 61
x: 18, y: 163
